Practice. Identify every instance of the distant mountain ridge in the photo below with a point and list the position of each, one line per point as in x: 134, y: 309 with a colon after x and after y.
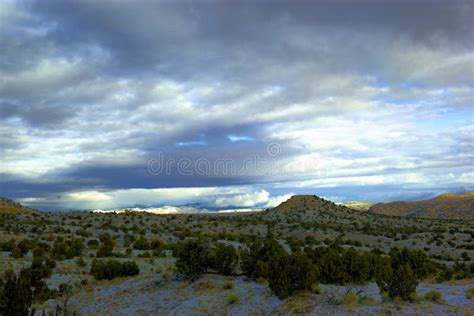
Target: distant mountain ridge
x: 8, y: 206
x: 445, y: 206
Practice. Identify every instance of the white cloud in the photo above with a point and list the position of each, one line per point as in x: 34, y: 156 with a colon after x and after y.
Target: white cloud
x: 277, y: 200
x: 114, y: 199
x: 244, y: 200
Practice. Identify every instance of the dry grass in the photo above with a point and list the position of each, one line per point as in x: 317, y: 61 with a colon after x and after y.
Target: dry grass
x: 205, y: 286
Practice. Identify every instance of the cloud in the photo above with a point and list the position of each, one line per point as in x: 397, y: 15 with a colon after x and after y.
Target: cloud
x: 201, y: 198
x: 277, y: 200
x: 243, y: 200
x: 90, y: 91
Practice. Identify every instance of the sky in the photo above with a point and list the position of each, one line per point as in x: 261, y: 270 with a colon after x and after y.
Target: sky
x: 234, y: 104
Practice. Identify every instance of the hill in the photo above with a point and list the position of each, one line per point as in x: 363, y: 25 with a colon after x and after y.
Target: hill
x: 8, y: 206
x: 338, y: 241
x: 445, y: 206
x: 309, y: 207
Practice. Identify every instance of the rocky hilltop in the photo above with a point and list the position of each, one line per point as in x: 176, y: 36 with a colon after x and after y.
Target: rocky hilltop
x: 445, y: 206
x: 310, y: 207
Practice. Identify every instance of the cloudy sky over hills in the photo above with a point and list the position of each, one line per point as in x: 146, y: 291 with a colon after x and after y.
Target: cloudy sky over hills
x: 225, y: 104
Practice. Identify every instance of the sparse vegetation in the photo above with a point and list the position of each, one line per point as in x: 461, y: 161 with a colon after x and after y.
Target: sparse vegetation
x: 433, y: 296
x: 110, y: 269
x: 15, y: 294
x: 191, y: 258
x: 470, y: 293
x: 222, y: 258
x: 319, y: 244
x: 228, y: 285
x: 232, y: 298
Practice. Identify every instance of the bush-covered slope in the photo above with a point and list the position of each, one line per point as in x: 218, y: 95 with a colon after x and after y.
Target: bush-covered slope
x: 8, y: 206
x: 446, y: 206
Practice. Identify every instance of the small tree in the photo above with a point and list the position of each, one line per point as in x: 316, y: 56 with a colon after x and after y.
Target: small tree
x: 222, y: 258
x: 356, y: 266
x: 332, y: 266
x: 255, y: 260
x: 65, y: 290
x: 106, y: 247
x: 112, y: 268
x: 400, y: 278
x: 191, y: 258
x: 290, y: 273
x: 403, y: 283
x: 15, y: 295
x: 141, y: 244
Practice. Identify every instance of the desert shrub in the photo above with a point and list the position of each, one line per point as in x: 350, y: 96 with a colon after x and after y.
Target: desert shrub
x: 378, y: 264
x: 367, y: 300
x: 66, y: 249
x: 415, y: 298
x: 350, y: 300
x: 445, y: 274
x: 402, y: 282
x: 65, y: 290
x: 81, y: 262
x: 232, y: 298
x: 470, y: 293
x: 433, y: 296
x: 58, y: 251
x: 25, y: 245
x: 145, y: 254
x: 400, y: 278
x: 82, y: 232
x: 157, y: 244
x: 331, y: 264
x: 315, y: 288
x: 8, y: 245
x: 222, y: 258
x: 75, y: 248
x: 38, y: 270
x: 16, y: 253
x: 418, y: 261
x: 20, y: 249
x: 191, y: 258
x: 93, y: 243
x: 228, y: 284
x: 294, y: 243
x: 41, y: 249
x: 256, y: 259
x: 109, y: 269
x: 106, y: 247
x: 290, y: 273
x: 141, y: 244
x: 16, y: 295
x: 356, y: 265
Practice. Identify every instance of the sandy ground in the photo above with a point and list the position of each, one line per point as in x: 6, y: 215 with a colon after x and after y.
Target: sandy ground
x: 155, y: 294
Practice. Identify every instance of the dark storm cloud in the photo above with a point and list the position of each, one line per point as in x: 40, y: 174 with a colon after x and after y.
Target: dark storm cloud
x: 185, y: 38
